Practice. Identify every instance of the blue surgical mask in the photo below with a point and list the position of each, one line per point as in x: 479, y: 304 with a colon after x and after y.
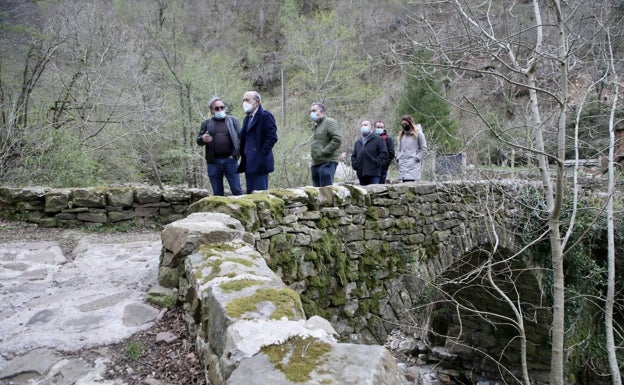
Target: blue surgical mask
x: 365, y: 130
x: 378, y: 131
x: 220, y: 115
x: 314, y: 116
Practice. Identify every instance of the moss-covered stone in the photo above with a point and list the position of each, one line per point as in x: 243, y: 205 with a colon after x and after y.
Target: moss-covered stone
x: 297, y: 357
x: 313, y: 197
x: 283, y: 257
x: 372, y: 213
x: 163, y: 297
x: 239, y: 284
x: 328, y: 223
x: 268, y: 201
x: 168, y: 276
x: 338, y: 299
x: 217, y: 247
x: 214, y: 262
x: 243, y: 209
x: 405, y: 223
x: 291, y: 195
x: 286, y: 301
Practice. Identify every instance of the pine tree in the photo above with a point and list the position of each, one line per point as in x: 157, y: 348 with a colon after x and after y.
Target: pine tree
x: 422, y: 99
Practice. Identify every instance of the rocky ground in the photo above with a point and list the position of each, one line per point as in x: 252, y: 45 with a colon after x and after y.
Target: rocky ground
x: 162, y: 355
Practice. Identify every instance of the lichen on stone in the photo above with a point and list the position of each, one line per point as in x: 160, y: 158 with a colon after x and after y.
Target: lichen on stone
x: 214, y: 262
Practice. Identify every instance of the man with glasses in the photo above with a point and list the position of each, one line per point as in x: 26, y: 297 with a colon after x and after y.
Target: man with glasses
x: 326, y: 142
x: 220, y: 134
x: 380, y: 129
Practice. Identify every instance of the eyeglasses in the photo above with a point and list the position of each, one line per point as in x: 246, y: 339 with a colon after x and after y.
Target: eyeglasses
x: 219, y: 108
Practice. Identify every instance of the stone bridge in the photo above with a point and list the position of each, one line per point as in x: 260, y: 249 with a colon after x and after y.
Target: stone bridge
x: 432, y: 259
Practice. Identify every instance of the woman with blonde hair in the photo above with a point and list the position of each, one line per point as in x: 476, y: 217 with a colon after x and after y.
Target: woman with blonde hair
x: 411, y: 150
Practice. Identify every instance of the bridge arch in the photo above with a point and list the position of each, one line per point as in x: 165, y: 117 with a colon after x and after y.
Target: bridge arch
x: 471, y: 312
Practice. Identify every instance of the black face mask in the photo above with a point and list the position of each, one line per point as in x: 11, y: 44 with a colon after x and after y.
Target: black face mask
x: 406, y: 127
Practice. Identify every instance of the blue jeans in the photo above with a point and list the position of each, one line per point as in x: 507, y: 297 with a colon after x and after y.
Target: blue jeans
x: 227, y: 167
x: 323, y: 174
x: 256, y: 182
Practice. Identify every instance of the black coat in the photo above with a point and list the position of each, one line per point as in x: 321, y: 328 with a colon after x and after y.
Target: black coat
x: 390, y: 147
x: 257, y: 141
x: 368, y: 158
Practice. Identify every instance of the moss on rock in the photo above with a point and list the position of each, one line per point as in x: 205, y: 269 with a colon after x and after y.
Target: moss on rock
x: 297, y: 357
x: 286, y: 301
x: 239, y: 284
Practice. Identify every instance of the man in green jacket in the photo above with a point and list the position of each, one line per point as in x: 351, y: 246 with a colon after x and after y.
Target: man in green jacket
x: 325, y: 146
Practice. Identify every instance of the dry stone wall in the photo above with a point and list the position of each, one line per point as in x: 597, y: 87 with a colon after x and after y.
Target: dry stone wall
x: 357, y: 255
x: 97, y: 206
x: 248, y: 326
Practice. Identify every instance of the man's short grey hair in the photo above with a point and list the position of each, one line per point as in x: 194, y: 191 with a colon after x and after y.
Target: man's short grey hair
x: 212, y: 101
x: 256, y: 96
x: 320, y: 106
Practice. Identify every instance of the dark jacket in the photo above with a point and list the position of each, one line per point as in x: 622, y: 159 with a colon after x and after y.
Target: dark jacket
x: 368, y: 158
x: 233, y: 127
x: 389, y: 146
x: 257, y: 141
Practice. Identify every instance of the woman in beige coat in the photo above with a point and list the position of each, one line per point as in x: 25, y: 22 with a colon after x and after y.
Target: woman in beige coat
x: 411, y: 149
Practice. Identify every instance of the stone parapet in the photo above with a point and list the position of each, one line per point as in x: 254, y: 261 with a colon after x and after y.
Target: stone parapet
x: 352, y: 252
x: 247, y: 324
x: 96, y: 206
x: 367, y: 258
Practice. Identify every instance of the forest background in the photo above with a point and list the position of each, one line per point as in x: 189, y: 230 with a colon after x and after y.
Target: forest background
x: 108, y: 92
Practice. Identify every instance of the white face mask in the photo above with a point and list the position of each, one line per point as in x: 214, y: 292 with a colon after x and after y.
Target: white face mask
x: 219, y: 115
x: 247, y: 107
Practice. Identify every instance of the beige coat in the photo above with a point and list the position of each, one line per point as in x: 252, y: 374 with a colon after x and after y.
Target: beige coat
x: 411, y: 151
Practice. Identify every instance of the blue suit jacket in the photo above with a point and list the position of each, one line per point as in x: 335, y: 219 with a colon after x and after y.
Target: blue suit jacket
x: 257, y: 141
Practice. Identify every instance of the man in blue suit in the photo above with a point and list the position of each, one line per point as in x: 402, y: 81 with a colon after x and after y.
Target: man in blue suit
x: 258, y: 136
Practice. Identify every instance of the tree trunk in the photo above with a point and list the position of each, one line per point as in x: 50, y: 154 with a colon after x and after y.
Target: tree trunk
x: 616, y: 377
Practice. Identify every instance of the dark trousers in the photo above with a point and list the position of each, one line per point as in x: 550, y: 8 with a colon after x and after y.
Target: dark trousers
x: 256, y: 182
x: 323, y: 174
x: 365, y: 180
x: 384, y: 174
